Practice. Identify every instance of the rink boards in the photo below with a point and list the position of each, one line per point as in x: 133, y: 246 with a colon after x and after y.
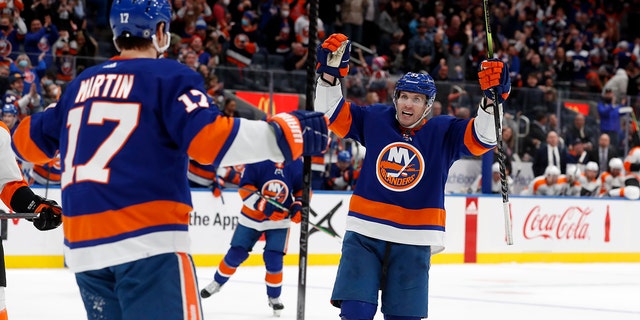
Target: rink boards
x: 548, y: 229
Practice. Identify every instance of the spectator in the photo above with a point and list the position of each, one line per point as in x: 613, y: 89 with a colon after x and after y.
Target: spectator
x: 619, y: 83
x: 537, y: 134
x: 550, y: 154
x: 301, y: 28
x: 421, y: 50
x: 279, y: 32
x: 39, y: 40
x: 352, y: 14
x: 87, y: 50
x: 297, y: 58
x: 328, y: 13
x: 197, y: 47
x: 609, y: 112
x: 229, y: 108
x: 579, y: 130
x: 27, y: 104
x: 12, y: 32
x: 30, y: 75
x: 51, y: 93
x: 65, y: 50
x: 4, y: 80
x: 603, y: 153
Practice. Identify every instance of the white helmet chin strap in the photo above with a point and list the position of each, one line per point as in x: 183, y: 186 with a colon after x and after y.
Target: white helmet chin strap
x: 164, y: 48
x: 154, y: 40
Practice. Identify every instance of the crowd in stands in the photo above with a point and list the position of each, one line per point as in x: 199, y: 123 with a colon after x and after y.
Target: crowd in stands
x: 551, y: 46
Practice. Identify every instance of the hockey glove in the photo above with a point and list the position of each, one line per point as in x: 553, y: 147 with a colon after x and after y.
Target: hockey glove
x: 49, y: 214
x: 494, y: 76
x: 295, y: 212
x: 300, y: 133
x: 216, y: 187
x: 333, y: 56
x: 271, y: 210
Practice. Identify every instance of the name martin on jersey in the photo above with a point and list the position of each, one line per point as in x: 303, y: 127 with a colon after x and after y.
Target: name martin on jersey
x: 116, y: 86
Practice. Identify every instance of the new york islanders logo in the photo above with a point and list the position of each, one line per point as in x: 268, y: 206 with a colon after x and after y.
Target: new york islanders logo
x: 399, y: 166
x: 275, y: 189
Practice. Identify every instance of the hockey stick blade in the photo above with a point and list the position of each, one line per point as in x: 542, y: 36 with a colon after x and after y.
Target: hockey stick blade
x: 18, y: 215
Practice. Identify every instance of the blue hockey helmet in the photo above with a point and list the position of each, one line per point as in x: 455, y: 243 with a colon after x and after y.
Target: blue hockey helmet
x: 421, y: 83
x: 344, y: 156
x: 139, y: 18
x: 9, y: 109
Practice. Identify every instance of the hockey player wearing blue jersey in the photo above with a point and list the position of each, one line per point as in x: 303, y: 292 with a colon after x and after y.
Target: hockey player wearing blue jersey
x: 125, y: 130
x: 282, y: 184
x: 396, y: 218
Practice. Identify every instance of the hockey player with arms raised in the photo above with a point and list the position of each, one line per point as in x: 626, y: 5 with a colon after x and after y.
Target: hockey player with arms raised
x: 396, y: 218
x: 125, y: 130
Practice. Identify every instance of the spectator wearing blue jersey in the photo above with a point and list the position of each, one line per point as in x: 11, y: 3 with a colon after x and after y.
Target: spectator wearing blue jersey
x: 40, y: 39
x: 396, y: 219
x: 609, y: 111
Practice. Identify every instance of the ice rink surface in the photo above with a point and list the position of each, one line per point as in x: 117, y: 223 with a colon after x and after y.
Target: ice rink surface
x: 457, y: 291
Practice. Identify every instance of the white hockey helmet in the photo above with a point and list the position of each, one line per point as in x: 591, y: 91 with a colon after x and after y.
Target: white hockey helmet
x: 552, y: 171
x: 616, y: 163
x: 591, y: 166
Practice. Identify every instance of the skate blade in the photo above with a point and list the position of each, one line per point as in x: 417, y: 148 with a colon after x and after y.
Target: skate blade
x: 276, y: 313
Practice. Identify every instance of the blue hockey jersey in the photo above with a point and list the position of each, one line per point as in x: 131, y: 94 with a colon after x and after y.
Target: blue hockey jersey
x: 125, y: 130
x: 282, y: 183
x: 400, y: 192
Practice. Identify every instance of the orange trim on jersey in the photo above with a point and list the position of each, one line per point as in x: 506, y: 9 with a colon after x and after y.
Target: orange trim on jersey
x: 244, y: 194
x: 317, y: 159
x: 3, y: 314
x: 342, y: 122
x: 274, y: 279
x: 397, y: 214
x: 292, y: 131
x: 47, y: 174
x: 191, y: 306
x: 206, y: 145
x: 627, y: 163
x: 201, y: 172
x: 26, y: 148
x: 128, y: 219
x: 476, y: 148
x: 225, y: 269
x: 9, y: 189
x: 253, y: 214
x: 3, y: 125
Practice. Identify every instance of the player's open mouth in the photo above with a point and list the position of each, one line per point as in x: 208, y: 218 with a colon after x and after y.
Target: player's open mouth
x: 407, y: 113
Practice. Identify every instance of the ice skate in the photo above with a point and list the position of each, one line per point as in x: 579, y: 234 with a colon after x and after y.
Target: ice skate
x: 277, y: 306
x: 209, y: 290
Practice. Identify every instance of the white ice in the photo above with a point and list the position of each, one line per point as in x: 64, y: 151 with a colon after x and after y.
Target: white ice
x: 457, y: 291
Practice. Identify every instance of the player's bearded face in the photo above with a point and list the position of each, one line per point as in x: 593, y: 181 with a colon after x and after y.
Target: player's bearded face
x: 410, y: 108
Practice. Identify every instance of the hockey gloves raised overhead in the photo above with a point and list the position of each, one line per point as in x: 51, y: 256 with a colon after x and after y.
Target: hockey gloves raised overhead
x: 333, y: 56
x: 271, y: 210
x: 295, y: 212
x: 494, y: 76
x: 300, y: 133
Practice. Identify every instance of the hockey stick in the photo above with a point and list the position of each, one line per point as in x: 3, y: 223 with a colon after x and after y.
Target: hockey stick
x: 285, y: 209
x: 306, y: 175
x: 18, y: 215
x: 501, y: 153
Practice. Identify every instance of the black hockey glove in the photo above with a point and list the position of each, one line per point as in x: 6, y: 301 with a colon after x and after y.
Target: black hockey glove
x: 49, y: 212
